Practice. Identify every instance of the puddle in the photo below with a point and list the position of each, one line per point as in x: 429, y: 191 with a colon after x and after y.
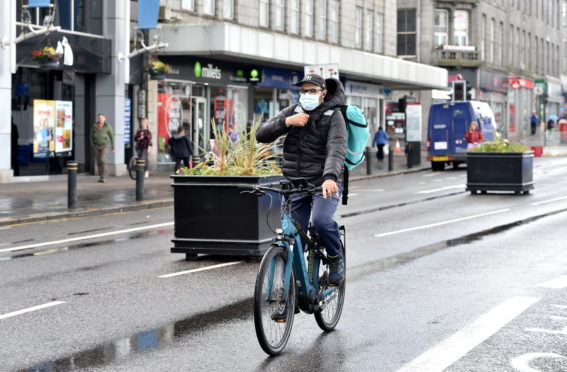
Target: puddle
x: 147, y: 340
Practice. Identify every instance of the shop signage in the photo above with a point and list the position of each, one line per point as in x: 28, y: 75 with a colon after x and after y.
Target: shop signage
x: 253, y: 75
x: 278, y: 78
x: 127, y: 119
x: 327, y: 71
x: 363, y: 89
x: 413, y: 122
x: 39, y: 3
x: 518, y: 83
x: 209, y: 72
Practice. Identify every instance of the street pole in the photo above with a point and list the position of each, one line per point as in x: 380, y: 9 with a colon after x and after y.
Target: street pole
x: 72, y: 168
x: 390, y: 159
x: 140, y: 170
x: 368, y: 161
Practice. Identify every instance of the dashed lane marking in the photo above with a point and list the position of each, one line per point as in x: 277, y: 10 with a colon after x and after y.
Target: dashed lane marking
x: 444, y: 188
x: 30, y: 309
x: 199, y: 269
x: 463, y: 341
x: 557, y: 283
x: 550, y: 201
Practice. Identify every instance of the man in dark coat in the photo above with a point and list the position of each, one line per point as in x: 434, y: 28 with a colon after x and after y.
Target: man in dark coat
x: 315, y: 149
x: 180, y: 148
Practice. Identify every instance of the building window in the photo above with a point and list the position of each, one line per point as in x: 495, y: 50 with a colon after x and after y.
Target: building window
x: 322, y: 19
x: 461, y: 28
x: 334, y: 21
x: 441, y: 27
x: 264, y: 13
x: 368, y: 24
x: 209, y: 7
x: 308, y: 18
x: 188, y: 5
x: 228, y: 9
x: 491, y: 42
x: 501, y: 44
x: 358, y: 27
x: 293, y: 16
x: 406, y: 44
x: 379, y: 33
x: 279, y: 15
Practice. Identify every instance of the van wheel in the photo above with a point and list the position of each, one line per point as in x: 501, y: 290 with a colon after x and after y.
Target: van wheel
x: 437, y: 166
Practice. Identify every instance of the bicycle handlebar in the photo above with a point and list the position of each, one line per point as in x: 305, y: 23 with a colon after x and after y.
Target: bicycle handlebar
x: 285, y: 188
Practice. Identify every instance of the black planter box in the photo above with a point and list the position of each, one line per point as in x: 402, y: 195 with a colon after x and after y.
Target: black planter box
x: 212, y: 216
x: 493, y: 171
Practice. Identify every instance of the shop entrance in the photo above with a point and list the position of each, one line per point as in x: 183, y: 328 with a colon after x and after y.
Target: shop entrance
x: 199, y: 118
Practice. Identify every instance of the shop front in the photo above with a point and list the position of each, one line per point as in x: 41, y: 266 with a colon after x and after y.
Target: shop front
x: 275, y: 92
x: 520, y: 108
x: 370, y: 98
x: 493, y: 89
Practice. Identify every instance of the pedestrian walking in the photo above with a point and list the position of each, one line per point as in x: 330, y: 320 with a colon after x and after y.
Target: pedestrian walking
x: 380, y: 140
x: 143, y: 139
x: 15, y: 136
x: 180, y: 148
x: 533, y: 121
x: 100, y: 137
x: 474, y: 136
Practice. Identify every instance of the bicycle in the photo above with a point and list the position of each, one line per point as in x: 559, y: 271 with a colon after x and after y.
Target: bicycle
x: 132, y: 165
x: 293, y: 276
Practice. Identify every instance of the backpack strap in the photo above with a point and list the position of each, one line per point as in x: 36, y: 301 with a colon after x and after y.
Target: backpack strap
x: 346, y: 174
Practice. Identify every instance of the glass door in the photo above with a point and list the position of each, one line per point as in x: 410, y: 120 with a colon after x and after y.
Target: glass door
x: 200, y: 130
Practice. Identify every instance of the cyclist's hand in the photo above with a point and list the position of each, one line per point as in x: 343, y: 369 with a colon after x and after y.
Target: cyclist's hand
x: 329, y: 188
x: 297, y: 120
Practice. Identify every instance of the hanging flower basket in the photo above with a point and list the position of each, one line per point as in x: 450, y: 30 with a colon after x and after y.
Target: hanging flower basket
x: 47, y: 57
x: 158, y: 69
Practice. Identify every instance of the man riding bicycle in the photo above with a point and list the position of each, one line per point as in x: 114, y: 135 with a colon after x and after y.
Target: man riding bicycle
x: 314, y: 149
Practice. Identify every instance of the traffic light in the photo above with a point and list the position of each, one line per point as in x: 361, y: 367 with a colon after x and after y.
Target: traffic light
x: 459, y: 90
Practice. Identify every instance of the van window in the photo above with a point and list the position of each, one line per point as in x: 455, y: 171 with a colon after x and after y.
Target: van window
x: 457, y: 113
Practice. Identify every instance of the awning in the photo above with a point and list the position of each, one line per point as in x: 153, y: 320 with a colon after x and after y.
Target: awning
x: 227, y: 40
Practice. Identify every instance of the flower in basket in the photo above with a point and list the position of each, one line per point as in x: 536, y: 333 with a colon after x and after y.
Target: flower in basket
x: 244, y: 156
x: 158, y: 67
x: 500, y: 145
x: 45, y: 54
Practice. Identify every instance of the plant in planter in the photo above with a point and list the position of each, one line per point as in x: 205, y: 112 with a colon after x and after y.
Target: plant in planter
x: 500, y: 165
x: 46, y: 56
x: 211, y: 214
x: 158, y: 69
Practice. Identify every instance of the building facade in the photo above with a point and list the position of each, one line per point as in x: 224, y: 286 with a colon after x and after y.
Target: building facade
x: 510, y: 52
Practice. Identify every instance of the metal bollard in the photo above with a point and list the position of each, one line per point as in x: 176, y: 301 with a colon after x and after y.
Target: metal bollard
x: 390, y: 159
x: 140, y: 170
x: 409, y: 154
x: 72, y: 168
x: 368, y: 160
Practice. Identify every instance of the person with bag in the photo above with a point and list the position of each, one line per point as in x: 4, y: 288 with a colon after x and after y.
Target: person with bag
x: 380, y: 140
x: 474, y: 136
x: 315, y: 148
x: 180, y: 148
x: 143, y: 140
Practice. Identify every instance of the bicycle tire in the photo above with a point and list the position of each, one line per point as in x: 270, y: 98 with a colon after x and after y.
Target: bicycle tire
x: 132, y: 167
x: 328, y: 318
x: 273, y: 335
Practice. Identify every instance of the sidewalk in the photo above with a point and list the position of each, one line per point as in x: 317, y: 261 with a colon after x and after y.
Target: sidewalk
x: 24, y: 202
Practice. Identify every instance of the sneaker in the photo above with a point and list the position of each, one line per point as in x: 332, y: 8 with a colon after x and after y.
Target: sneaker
x: 336, y: 269
x: 146, y: 174
x: 280, y: 314
x: 101, y: 180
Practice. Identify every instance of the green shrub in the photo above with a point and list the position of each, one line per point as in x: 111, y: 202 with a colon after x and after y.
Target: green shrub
x: 500, y: 145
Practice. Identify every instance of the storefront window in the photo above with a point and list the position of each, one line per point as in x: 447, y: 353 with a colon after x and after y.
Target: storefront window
x: 174, y: 110
x: 229, y: 108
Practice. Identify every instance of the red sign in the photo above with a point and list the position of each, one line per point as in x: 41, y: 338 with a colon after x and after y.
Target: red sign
x: 518, y: 83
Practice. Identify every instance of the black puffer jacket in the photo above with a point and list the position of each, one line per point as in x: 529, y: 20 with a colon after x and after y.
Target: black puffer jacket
x: 307, y: 153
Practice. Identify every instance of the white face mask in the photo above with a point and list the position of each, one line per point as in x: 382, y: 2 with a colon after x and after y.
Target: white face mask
x: 309, y: 102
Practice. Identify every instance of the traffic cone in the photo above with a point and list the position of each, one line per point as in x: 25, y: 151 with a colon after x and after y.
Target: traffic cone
x: 398, y: 148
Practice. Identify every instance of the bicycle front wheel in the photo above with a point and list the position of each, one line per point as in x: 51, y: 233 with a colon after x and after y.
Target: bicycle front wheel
x: 273, y: 308
x: 132, y: 167
x: 328, y: 317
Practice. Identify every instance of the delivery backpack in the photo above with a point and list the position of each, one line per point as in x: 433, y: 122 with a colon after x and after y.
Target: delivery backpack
x: 357, y: 130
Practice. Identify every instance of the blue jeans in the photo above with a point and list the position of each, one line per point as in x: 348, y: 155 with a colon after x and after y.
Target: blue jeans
x: 321, y: 211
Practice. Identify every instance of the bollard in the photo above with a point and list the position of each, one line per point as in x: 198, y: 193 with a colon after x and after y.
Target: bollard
x: 368, y: 160
x: 140, y: 170
x: 390, y: 159
x: 72, y: 168
x: 409, y: 154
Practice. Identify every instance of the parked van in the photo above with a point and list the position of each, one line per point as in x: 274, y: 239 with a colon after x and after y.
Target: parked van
x: 447, y: 125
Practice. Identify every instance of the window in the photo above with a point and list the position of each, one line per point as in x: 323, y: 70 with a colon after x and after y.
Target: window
x: 461, y: 28
x: 293, y: 16
x: 209, y: 7
x: 379, y: 33
x: 491, y: 42
x: 264, y: 13
x: 334, y: 21
x: 501, y: 44
x: 441, y: 27
x: 76, y: 15
x: 483, y: 43
x: 406, y: 43
x: 279, y: 15
x: 358, y: 27
x: 188, y: 5
x: 308, y: 18
x: 322, y: 19
x: 368, y: 23
x: 228, y: 9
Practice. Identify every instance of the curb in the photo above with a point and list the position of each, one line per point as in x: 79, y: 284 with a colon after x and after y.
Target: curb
x: 393, y: 173
x: 87, y: 212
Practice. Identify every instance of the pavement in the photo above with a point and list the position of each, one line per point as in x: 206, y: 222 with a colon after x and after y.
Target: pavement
x: 45, y: 198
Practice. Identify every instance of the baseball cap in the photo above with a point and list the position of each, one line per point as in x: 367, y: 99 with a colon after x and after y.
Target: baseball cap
x: 314, y: 79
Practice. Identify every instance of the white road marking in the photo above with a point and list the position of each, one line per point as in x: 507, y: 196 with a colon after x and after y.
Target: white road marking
x: 432, y: 174
x: 557, y: 283
x: 38, y: 245
x: 370, y: 190
x: 199, y: 269
x: 444, y: 188
x: 441, y: 223
x: 522, y: 363
x: 550, y: 200
x: 30, y: 309
x: 563, y: 307
x: 463, y: 341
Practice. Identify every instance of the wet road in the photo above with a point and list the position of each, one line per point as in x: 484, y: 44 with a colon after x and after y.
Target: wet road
x: 426, y: 261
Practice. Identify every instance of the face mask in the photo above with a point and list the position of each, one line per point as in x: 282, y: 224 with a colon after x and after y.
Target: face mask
x: 309, y: 102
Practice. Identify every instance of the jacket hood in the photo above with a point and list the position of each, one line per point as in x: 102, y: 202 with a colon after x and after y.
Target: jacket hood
x: 335, y: 94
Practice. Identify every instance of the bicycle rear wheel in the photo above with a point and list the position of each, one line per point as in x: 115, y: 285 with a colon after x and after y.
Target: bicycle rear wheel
x: 273, y: 313
x: 132, y: 167
x: 328, y: 318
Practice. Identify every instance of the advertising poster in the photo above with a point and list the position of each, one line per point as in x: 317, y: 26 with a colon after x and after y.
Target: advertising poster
x: 170, y: 117
x: 64, y: 126
x: 44, y: 128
